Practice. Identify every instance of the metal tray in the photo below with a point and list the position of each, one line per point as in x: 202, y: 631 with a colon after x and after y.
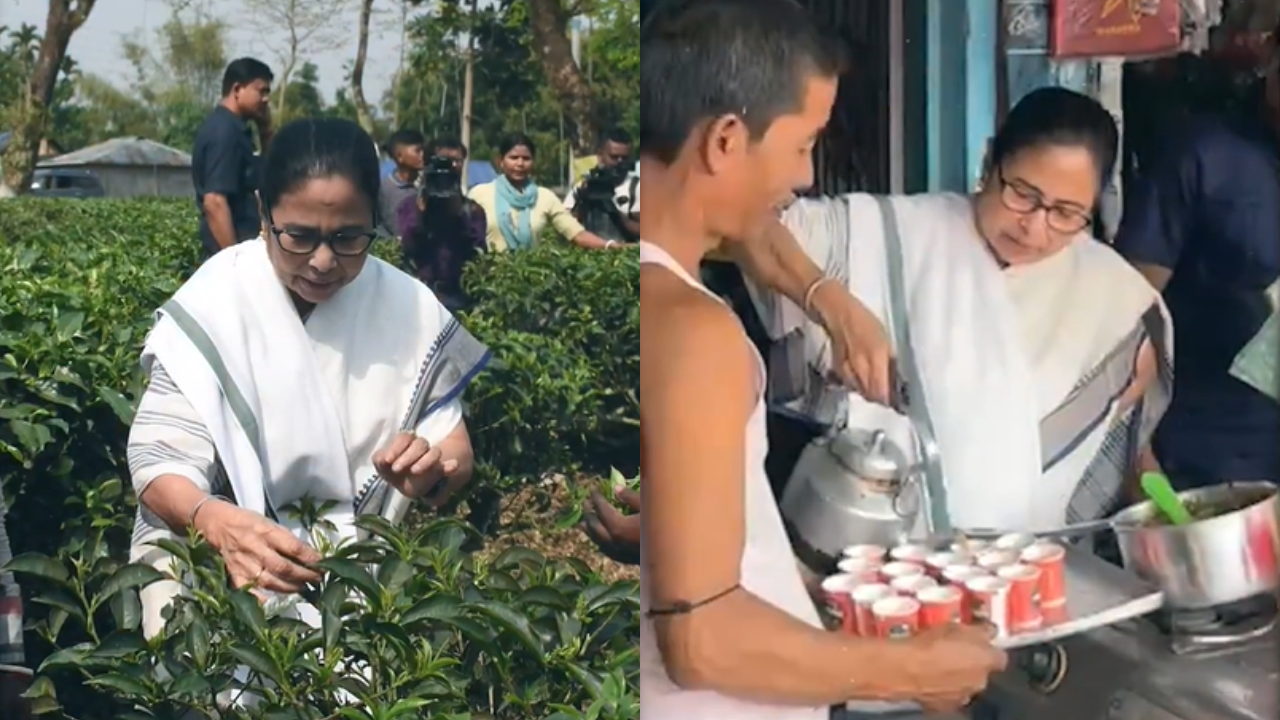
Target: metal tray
x: 1098, y: 594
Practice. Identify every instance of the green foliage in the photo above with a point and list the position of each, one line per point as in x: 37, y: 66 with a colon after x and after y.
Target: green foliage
x: 80, y: 282
x: 411, y: 627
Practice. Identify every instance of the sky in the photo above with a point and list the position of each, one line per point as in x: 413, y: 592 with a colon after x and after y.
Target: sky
x: 96, y: 46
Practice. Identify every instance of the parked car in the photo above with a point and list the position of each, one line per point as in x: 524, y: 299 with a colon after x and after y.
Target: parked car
x: 66, y: 183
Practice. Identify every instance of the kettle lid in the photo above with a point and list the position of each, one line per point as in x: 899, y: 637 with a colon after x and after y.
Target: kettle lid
x: 870, y: 455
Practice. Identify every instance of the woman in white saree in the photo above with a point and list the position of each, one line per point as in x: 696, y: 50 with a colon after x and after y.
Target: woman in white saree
x: 296, y: 365
x: 1040, y: 358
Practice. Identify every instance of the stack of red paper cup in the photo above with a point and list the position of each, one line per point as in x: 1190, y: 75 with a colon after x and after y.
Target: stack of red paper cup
x: 1016, y: 584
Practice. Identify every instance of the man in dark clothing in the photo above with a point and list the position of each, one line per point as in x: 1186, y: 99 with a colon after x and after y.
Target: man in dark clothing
x: 441, y: 230
x: 1203, y: 225
x: 406, y: 149
x: 223, y: 165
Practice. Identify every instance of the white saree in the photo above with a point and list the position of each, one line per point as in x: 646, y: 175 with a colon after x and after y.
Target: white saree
x: 1022, y: 368
x: 288, y: 408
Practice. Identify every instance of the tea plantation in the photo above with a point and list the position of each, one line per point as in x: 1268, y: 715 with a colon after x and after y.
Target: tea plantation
x: 440, y: 631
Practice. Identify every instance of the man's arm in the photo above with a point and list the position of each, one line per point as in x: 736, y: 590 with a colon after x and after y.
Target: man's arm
x: 862, y: 355
x: 224, y: 168
x: 1159, y: 215
x: 218, y: 214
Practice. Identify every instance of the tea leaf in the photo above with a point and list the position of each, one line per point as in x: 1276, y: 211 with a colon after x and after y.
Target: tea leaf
x: 248, y: 610
x: 514, y: 623
x: 134, y: 575
x: 41, y: 566
x: 256, y: 660
x: 120, y: 683
x: 436, y: 607
x: 353, y: 573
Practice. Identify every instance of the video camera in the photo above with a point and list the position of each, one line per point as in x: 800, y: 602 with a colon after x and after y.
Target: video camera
x: 603, y: 198
x: 440, y: 178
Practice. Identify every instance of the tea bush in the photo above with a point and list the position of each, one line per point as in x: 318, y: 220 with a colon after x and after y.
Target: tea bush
x: 80, y: 282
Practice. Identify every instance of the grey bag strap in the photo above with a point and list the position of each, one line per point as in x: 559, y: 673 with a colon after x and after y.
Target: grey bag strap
x: 913, y: 402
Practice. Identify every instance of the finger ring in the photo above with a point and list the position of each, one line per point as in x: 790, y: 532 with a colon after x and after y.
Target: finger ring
x: 258, y: 577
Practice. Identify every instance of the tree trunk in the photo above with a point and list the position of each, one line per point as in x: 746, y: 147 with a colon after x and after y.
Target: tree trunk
x: 357, y: 69
x: 31, y: 119
x: 548, y: 25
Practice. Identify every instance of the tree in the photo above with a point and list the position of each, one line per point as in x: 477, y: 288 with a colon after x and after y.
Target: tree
x: 302, y: 95
x: 355, y: 83
x: 29, y: 117
x: 304, y: 24
x: 549, y: 22
x: 178, y: 73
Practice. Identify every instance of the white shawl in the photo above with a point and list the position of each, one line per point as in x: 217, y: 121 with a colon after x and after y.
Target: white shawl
x: 997, y: 351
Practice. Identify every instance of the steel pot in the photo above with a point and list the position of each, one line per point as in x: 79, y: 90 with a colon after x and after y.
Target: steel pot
x: 1210, y: 562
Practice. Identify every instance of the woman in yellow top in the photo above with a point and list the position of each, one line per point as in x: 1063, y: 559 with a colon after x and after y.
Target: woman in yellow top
x: 518, y: 209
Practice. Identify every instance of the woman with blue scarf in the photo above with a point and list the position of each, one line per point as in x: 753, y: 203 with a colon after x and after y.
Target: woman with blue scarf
x: 518, y: 210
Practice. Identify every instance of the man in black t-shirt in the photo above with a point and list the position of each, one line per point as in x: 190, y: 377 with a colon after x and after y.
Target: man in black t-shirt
x: 1202, y: 224
x: 223, y: 164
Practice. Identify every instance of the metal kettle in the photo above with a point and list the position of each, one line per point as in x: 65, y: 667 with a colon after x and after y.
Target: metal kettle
x: 851, y: 487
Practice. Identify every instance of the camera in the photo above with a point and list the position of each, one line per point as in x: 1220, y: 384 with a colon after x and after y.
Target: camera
x: 440, y: 178
x: 602, y: 200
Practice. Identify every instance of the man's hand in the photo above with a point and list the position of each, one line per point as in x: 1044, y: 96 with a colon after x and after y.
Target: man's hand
x: 617, y: 535
x: 861, y: 354
x: 960, y: 660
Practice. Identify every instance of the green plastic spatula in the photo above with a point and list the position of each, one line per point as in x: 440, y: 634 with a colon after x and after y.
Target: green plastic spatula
x: 1157, y: 488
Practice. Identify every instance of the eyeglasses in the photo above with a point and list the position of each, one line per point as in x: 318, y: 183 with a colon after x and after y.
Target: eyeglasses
x: 296, y: 241
x: 1025, y: 200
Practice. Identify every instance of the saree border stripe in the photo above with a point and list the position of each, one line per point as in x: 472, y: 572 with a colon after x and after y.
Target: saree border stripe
x: 1089, y: 404
x: 235, y: 398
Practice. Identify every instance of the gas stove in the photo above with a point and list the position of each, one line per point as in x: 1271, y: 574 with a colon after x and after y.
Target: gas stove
x: 1218, y: 664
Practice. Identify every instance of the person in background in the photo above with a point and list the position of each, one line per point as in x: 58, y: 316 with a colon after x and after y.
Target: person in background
x: 1202, y: 224
x: 406, y: 150
x: 14, y: 676
x: 223, y: 163
x: 441, y: 230
x: 410, y: 209
x: 624, y: 207
x: 733, y: 95
x: 518, y: 209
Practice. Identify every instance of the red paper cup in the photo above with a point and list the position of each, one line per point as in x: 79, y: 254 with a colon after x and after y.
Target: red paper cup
x: 1014, y: 542
x: 1024, y: 596
x: 942, y: 605
x: 863, y: 599
x: 990, y: 597
x: 866, y: 571
x: 1051, y: 559
x: 894, y: 570
x: 837, y: 591
x: 1054, y: 615
x: 959, y: 576
x: 912, y: 584
x: 938, y: 562
x: 993, y: 560
x: 865, y: 552
x: 896, y: 617
x: 910, y: 553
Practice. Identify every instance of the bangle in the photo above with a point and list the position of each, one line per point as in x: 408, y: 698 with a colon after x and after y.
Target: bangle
x: 813, y: 290
x: 191, y: 517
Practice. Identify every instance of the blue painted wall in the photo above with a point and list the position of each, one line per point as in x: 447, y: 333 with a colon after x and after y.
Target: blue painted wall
x: 961, y: 89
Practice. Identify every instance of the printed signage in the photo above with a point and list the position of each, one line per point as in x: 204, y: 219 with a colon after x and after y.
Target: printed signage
x: 1114, y: 28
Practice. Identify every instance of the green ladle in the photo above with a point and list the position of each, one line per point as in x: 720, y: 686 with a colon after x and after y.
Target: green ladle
x: 1157, y: 488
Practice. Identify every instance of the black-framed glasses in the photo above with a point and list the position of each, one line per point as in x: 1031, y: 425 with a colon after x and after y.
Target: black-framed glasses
x: 300, y: 241
x: 1024, y: 200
